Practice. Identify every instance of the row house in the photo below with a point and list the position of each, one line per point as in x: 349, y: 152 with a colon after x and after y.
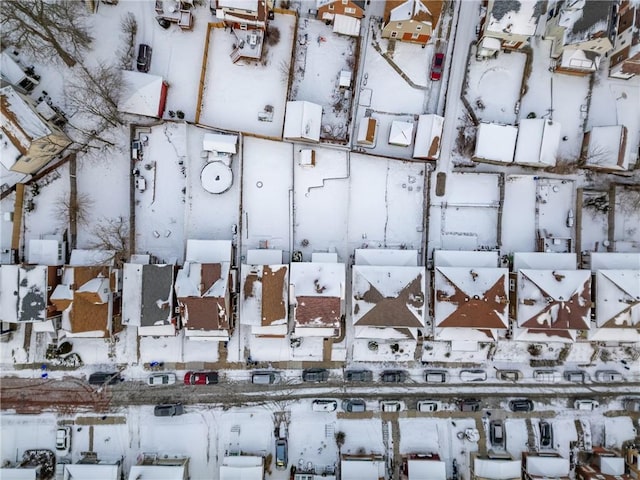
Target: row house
x: 542, y: 466
x: 411, y: 20
x: 503, y: 467
x: 203, y: 289
x: 30, y: 137
x: 624, y: 61
x: 470, y: 300
x: 602, y: 464
x: 508, y: 25
x: 583, y: 32
x: 88, y: 295
x: 388, y: 301
x: 148, y: 297
x: 416, y: 466
x: 264, y: 294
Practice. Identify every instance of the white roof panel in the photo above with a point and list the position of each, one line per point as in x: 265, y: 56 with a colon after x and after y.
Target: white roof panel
x: 496, y: 142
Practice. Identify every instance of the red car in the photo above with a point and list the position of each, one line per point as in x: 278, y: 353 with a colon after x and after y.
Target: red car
x: 200, y: 378
x: 436, y: 66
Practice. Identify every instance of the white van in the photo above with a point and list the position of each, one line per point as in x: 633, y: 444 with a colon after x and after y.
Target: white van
x: 391, y: 405
x: 546, y: 376
x: 586, y: 404
x: 608, y: 376
x: 435, y: 376
x: 324, y: 405
x: 265, y: 378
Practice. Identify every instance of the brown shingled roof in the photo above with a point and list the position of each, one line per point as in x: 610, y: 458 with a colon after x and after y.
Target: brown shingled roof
x: 86, y: 316
x: 318, y: 311
x: 205, y: 313
x: 210, y: 274
x: 273, y: 304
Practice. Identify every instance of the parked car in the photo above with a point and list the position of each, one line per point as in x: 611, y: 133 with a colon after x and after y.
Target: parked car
x: 63, y: 439
x: 546, y: 376
x: 577, y: 376
x: 435, y: 376
x: 315, y: 375
x: 324, y: 405
x: 265, y: 378
x: 585, y: 404
x: 496, y: 433
x: 428, y: 406
x: 469, y: 405
x: 358, y: 376
x: 608, y: 376
x: 168, y: 410
x: 354, y: 405
x: 282, y: 459
x: 163, y: 22
x: 521, y: 405
x: 475, y: 375
x: 437, y: 64
x: 391, y: 405
x: 105, y: 378
x: 546, y: 434
x: 201, y: 378
x: 144, y: 58
x: 632, y: 404
x: 161, y: 379
x: 509, y: 375
x: 393, y: 376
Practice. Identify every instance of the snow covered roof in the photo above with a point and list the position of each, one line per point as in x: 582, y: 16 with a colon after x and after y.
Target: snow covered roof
x: 265, y: 293
x: 408, y: 10
x: 95, y: 471
x: 264, y: 256
x: 302, y: 121
x: 520, y: 19
x: 45, y: 252
x: 346, y: 25
x: 208, y: 251
x: 583, y: 19
x: 544, y: 261
x: 367, y: 131
x: 19, y: 121
x: 614, y: 261
x: 157, y: 472
x: 28, y: 473
x: 608, y: 148
x: 251, y: 5
x: 365, y: 468
x: 389, y: 297
x: 10, y: 69
x: 497, y: 469
x: 23, y: 293
x: 428, y: 133
x: 547, y: 466
x: 618, y: 299
x: 147, y: 294
x: 381, y: 257
x: 401, y: 133
x: 474, y: 298
x: 318, y: 289
x: 495, y: 142
x: 242, y: 467
x: 87, y: 258
x: 218, y: 142
x: 460, y: 258
x: 141, y: 94
x: 552, y: 302
x: 538, y: 142
x: 8, y: 289
x: 427, y: 470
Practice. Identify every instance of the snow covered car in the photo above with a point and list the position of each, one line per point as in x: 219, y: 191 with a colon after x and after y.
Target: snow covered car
x: 63, y: 439
x: 161, y: 379
x: 393, y: 376
x: 475, y: 375
x: 585, y: 404
x: 358, y: 376
x: 324, y: 405
x: 428, y: 406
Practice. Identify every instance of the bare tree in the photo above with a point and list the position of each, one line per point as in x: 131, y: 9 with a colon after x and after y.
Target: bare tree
x: 113, y: 234
x: 65, y: 207
x: 126, y: 54
x: 46, y: 29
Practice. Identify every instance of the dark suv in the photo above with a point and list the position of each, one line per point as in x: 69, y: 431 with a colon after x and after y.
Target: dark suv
x: 315, y: 375
x: 144, y: 58
x: 469, y: 405
x: 168, y: 410
x: 521, y: 405
x: 546, y: 435
x: 105, y: 378
x: 393, y: 376
x: 358, y: 376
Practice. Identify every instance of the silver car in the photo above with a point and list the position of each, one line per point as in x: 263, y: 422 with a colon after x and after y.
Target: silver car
x: 161, y: 379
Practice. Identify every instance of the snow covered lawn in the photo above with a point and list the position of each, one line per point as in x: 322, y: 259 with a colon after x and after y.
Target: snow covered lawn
x: 234, y: 95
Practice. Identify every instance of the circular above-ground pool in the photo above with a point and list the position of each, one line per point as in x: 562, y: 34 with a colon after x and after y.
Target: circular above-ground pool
x: 216, y: 177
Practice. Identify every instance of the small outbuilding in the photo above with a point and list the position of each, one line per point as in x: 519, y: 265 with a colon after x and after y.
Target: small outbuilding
x: 302, y: 121
x: 143, y: 94
x: 495, y: 143
x: 367, y: 132
x: 401, y: 133
x: 428, y: 135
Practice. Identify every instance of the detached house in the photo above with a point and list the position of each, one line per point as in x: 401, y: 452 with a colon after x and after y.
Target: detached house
x: 388, y: 302
x: 624, y: 61
x: 344, y: 15
x: 243, y: 14
x: 203, y: 290
x: 509, y: 25
x: 29, y: 140
x: 411, y: 20
x: 264, y: 294
x: 317, y: 294
x: 147, y: 299
x: 471, y: 301
x: 582, y: 31
x: 88, y: 295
